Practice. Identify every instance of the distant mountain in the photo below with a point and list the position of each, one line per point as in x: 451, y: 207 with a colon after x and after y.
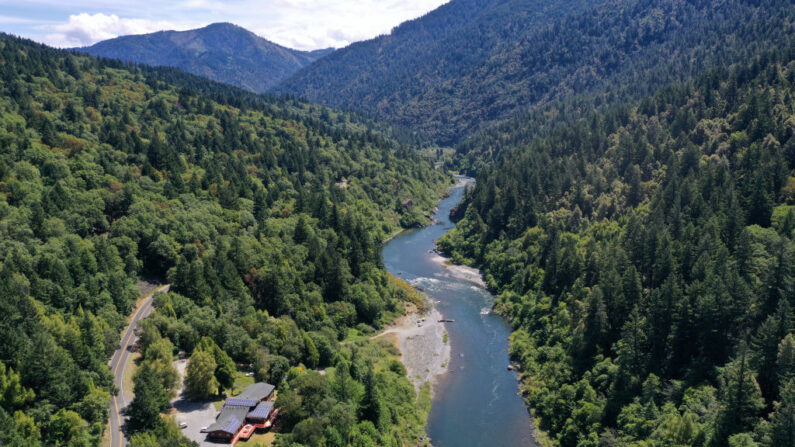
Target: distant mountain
x: 222, y: 52
x: 472, y: 63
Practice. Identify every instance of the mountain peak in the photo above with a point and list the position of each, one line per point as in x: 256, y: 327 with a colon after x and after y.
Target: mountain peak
x: 221, y: 51
x: 225, y: 26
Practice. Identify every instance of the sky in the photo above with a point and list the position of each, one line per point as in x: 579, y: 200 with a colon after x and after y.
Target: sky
x: 299, y: 24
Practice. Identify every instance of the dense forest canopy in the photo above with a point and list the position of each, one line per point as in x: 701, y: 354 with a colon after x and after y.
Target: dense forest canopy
x: 471, y: 64
x: 645, y: 255
x: 110, y: 173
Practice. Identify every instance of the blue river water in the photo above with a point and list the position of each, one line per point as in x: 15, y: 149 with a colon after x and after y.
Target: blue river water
x: 476, y: 402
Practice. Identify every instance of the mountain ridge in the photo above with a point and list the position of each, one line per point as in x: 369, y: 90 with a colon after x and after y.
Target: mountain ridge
x: 493, y: 60
x: 220, y: 51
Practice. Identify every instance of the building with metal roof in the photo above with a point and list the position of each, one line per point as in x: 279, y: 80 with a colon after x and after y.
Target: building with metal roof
x: 238, y: 402
x: 257, y: 391
x: 228, y: 423
x: 251, y: 405
x: 261, y: 413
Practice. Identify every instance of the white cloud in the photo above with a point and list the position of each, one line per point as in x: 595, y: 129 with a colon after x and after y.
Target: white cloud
x: 312, y: 24
x: 86, y: 29
x: 301, y: 24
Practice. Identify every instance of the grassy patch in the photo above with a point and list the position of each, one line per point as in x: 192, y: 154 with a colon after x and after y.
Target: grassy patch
x: 129, y: 372
x: 217, y: 402
x: 241, y: 381
x: 260, y: 439
x: 409, y: 293
x: 105, y: 442
x: 355, y: 335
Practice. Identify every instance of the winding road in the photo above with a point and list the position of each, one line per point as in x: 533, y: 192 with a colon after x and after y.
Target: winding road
x: 119, y: 362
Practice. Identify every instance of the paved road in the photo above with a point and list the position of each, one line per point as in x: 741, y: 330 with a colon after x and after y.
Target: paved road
x: 118, y: 363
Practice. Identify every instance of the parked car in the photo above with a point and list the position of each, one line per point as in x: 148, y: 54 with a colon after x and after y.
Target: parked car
x: 183, y: 425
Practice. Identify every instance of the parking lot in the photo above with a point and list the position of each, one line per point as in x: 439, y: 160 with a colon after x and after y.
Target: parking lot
x: 195, y: 414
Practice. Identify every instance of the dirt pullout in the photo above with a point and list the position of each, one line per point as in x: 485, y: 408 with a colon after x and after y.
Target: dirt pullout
x: 424, y: 351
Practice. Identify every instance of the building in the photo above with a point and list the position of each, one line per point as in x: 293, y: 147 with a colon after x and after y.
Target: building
x: 242, y: 414
x: 228, y: 423
x: 261, y: 413
x: 257, y: 391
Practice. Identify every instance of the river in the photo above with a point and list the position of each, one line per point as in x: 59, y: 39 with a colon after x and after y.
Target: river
x: 476, y: 403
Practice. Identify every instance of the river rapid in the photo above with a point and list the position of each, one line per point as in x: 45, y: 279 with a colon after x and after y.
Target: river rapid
x: 476, y: 402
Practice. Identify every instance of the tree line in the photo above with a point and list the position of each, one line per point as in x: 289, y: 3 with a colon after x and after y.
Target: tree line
x: 110, y: 173
x: 644, y: 254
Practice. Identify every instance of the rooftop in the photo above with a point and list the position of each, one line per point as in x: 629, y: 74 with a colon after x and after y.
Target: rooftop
x: 229, y: 420
x: 256, y: 391
x: 238, y: 402
x: 262, y: 411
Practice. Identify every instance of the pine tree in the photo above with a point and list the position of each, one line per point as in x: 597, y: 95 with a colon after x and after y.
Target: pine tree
x: 785, y: 362
x: 342, y: 383
x: 741, y: 400
x: 782, y: 424
x: 150, y: 400
x: 371, y: 408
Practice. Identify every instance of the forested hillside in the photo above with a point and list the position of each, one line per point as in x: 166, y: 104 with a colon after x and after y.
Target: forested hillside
x: 471, y: 64
x: 222, y: 52
x: 646, y: 258
x: 110, y: 173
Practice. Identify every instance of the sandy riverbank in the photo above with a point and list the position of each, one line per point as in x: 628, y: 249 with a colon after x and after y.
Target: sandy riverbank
x: 462, y: 272
x: 424, y: 350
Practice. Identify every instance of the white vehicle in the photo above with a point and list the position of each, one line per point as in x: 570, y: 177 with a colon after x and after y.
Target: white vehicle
x: 183, y: 425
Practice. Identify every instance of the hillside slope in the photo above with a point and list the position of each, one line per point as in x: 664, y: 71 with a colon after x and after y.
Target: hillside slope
x: 110, y: 173
x: 645, y: 255
x: 222, y: 52
x: 469, y: 64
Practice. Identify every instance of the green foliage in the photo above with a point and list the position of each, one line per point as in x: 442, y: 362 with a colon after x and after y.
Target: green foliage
x: 473, y: 63
x: 782, y: 423
x: 166, y: 435
x: 644, y: 257
x: 200, y: 379
x: 150, y: 399
x: 370, y: 404
x: 67, y: 428
x: 111, y: 172
x: 225, y: 368
x: 12, y: 394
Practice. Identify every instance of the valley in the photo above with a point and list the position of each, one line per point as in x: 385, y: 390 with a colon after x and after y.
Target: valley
x: 501, y: 223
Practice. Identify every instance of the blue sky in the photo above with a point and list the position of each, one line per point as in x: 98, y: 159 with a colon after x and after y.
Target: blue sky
x: 301, y: 24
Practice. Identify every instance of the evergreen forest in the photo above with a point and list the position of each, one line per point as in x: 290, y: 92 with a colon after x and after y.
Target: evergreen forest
x: 645, y: 258
x: 112, y: 173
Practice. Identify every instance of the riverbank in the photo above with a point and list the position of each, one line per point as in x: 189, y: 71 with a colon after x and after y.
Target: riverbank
x: 462, y: 272
x: 476, y: 399
x: 421, y: 338
x: 424, y: 349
